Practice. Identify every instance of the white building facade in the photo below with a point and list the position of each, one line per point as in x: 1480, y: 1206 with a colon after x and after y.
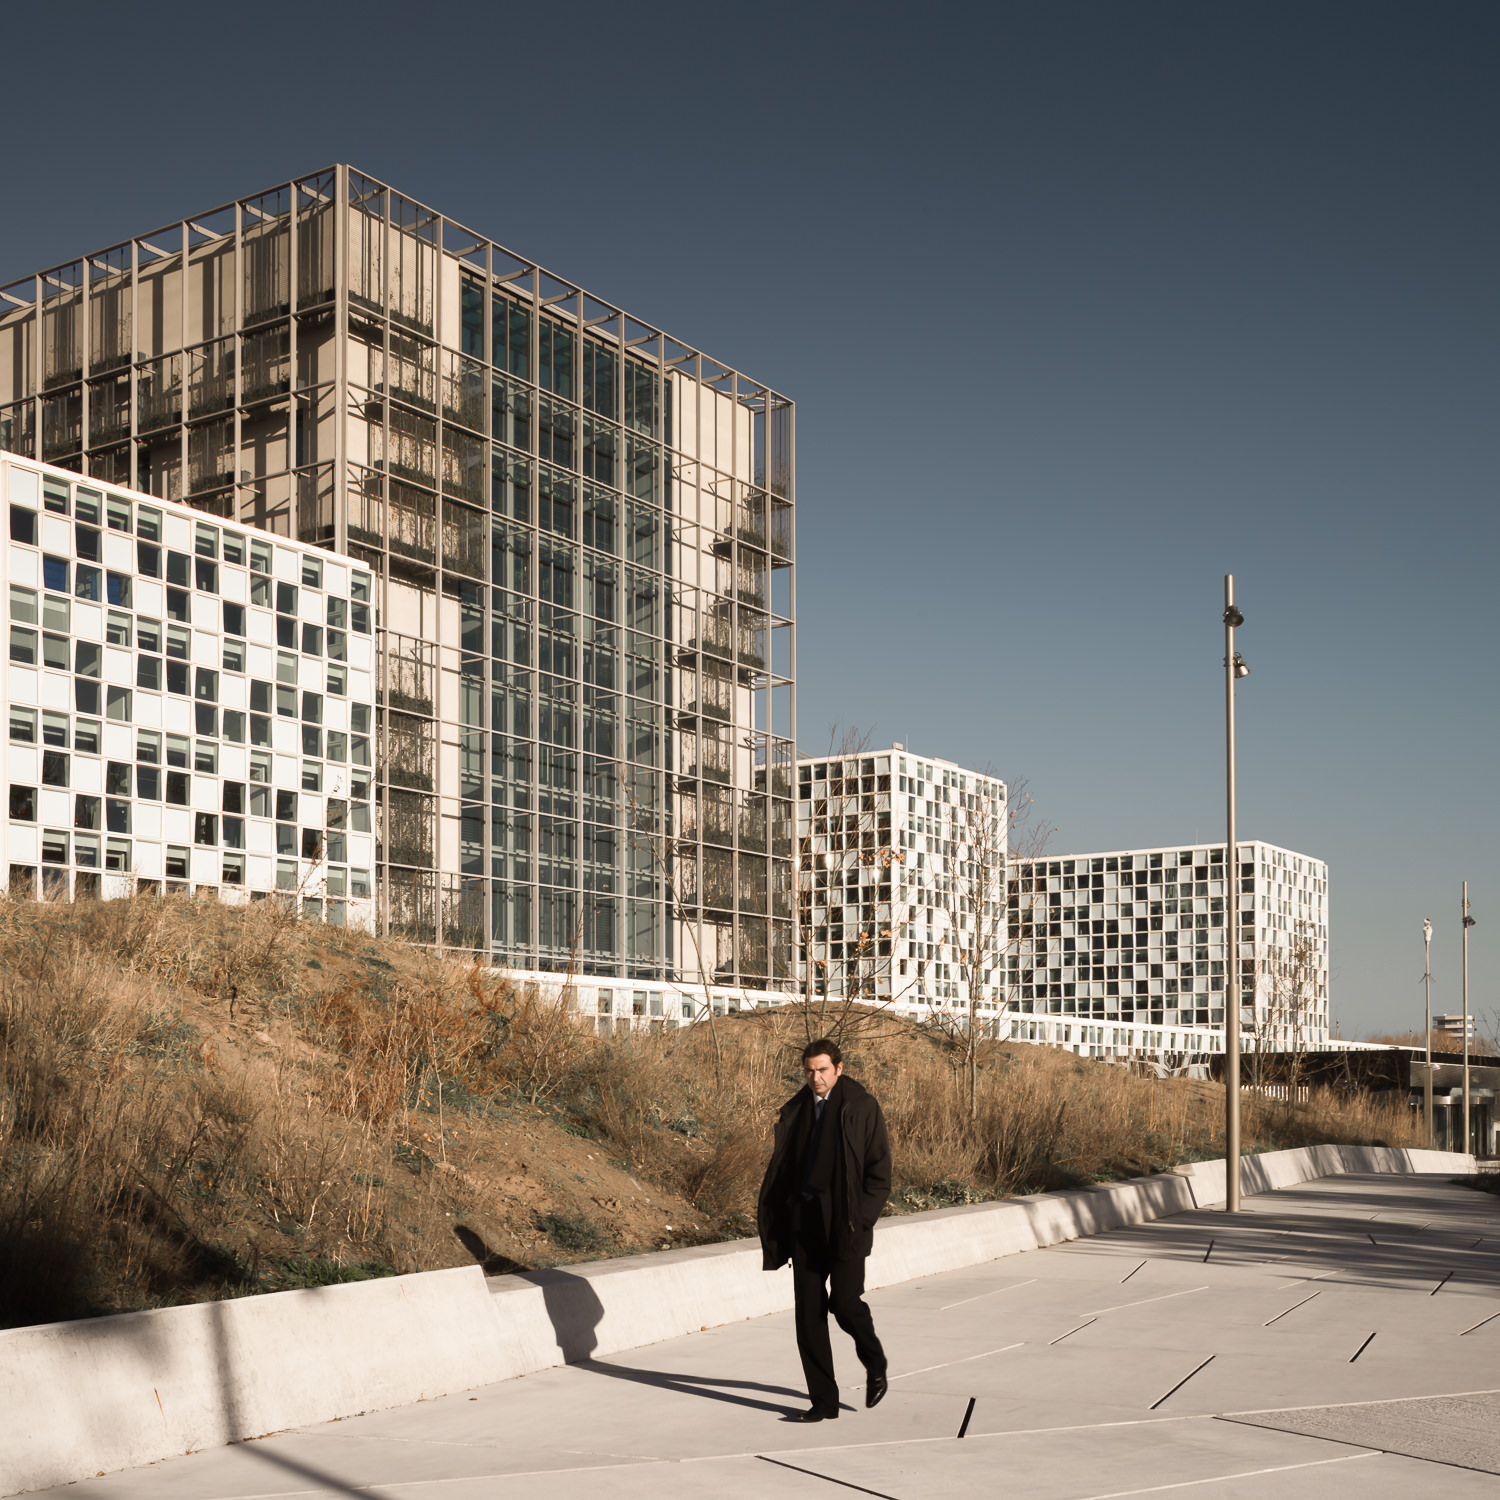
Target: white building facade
x: 189, y: 706
x: 887, y: 901
x: 1123, y: 954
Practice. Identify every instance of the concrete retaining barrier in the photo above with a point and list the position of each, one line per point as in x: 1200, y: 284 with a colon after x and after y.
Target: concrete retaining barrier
x: 120, y: 1392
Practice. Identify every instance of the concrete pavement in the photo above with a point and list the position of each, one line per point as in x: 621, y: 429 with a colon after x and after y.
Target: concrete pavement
x: 1340, y: 1337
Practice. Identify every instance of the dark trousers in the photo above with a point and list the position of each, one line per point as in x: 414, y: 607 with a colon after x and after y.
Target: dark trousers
x: 823, y: 1285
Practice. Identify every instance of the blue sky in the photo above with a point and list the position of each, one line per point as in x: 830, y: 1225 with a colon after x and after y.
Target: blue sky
x: 1083, y: 306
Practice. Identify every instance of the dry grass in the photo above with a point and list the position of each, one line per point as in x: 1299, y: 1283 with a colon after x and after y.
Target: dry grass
x: 198, y: 1101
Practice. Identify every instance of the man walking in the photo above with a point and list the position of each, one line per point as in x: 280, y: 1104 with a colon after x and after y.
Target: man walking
x: 829, y: 1179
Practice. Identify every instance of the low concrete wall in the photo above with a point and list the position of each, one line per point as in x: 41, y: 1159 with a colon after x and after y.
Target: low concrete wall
x: 114, y: 1393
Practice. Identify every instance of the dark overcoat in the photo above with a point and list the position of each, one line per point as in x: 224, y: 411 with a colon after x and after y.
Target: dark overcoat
x: 862, y: 1176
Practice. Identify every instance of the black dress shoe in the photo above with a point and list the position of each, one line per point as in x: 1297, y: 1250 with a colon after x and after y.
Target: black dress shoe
x: 875, y: 1388
x: 812, y: 1414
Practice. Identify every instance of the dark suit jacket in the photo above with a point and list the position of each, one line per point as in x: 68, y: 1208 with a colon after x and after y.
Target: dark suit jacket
x: 862, y: 1177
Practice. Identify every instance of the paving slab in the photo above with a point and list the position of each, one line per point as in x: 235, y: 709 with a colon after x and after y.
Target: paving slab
x: 1337, y: 1338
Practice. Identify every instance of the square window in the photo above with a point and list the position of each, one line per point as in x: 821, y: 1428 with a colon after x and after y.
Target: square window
x: 234, y: 619
x: 86, y: 735
x: 260, y: 802
x: 88, y: 543
x: 312, y: 571
x: 359, y: 883
x: 87, y: 813
x: 286, y: 632
x: 117, y: 855
x: 118, y: 512
x: 286, y: 875
x: 206, y: 576
x: 147, y: 560
x: 117, y: 705
x: 23, y: 604
x: 88, y: 583
x: 234, y: 655
x: 177, y: 750
x: 177, y: 789
x: 312, y: 640
x: 55, y: 574
x: 179, y: 569
x: 234, y: 548
x: 57, y: 614
x: 206, y: 829
x: 117, y: 630
x: 312, y: 740
x: 54, y: 847
x: 85, y: 696
x: 54, y: 768
x: 312, y: 843
x: 286, y: 839
x: 206, y: 540
x: 117, y: 778
x: 148, y: 670
x: 116, y: 815
x: 234, y: 869
x: 88, y: 659
x: 148, y: 783
x: 234, y: 726
x: 23, y: 804
x: 260, y: 766
x: 338, y: 745
x: 22, y: 883
x: 22, y: 725
x: 117, y: 589
x: 206, y: 757
x: 177, y: 862
x: 286, y: 805
x: 312, y: 775
x: 177, y: 605
x: 234, y: 833
x: 286, y: 599
x: 23, y: 645
x: 23, y: 525
x: 148, y: 747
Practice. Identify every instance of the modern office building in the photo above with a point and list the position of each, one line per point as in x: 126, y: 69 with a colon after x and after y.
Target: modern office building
x: 569, y: 536
x: 887, y: 896
x: 1123, y: 954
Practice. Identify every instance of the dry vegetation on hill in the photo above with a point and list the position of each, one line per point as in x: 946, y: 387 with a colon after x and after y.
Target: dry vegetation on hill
x: 198, y: 1101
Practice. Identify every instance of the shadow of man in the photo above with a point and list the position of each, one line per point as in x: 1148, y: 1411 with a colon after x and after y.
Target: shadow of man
x: 575, y: 1312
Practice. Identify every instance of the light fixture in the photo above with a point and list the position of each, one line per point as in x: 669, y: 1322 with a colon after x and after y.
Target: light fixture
x: 1240, y: 669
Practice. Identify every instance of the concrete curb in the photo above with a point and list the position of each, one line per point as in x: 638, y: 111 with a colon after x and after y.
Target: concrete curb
x: 120, y: 1392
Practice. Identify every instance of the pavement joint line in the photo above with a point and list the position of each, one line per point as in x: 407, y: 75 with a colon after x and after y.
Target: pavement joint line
x: 1069, y: 1334
x: 968, y: 1358
x: 964, y: 1301
x: 1293, y: 1308
x: 1196, y: 1368
x: 963, y: 1426
x: 1165, y: 1297
x: 1446, y: 1279
x: 1126, y: 1277
x: 1480, y: 1324
x: 1208, y: 1252
x: 1362, y: 1348
x: 1272, y: 1411
x: 827, y: 1478
x: 1186, y: 1484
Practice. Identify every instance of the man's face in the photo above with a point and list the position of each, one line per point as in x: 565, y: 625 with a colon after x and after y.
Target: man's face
x: 822, y: 1074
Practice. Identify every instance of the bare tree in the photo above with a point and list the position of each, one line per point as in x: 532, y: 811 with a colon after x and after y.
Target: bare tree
x: 675, y: 858
x: 1288, y: 985
x: 969, y: 876
x: 847, y: 858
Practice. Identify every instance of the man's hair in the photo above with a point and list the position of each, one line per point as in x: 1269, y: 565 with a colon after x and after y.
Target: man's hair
x: 823, y: 1047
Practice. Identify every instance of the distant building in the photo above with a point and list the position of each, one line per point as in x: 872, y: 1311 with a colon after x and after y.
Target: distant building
x: 1454, y: 1026
x: 873, y: 834
x: 1124, y: 953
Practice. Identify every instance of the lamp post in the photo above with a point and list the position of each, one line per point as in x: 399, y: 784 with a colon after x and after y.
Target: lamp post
x: 1234, y: 666
x: 1468, y: 922
x: 1427, y: 1030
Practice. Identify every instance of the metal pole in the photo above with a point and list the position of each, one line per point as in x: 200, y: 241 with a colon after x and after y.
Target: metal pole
x: 1232, y: 967
x: 1427, y: 1030
x: 1468, y: 922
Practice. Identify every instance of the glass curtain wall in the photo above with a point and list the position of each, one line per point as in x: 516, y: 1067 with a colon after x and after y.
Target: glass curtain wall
x: 581, y: 535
